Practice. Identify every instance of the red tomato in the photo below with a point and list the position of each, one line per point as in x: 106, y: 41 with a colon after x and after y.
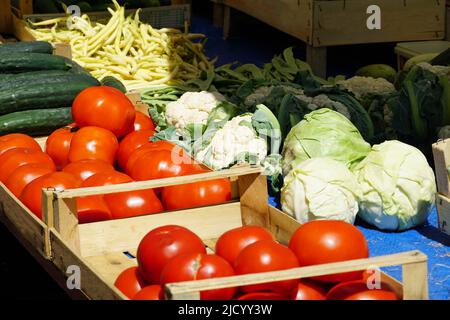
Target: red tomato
x: 153, y: 292
x: 92, y: 209
x: 161, y: 164
x: 15, y: 158
x: 358, y: 290
x: 262, y: 296
x: 17, y: 140
x: 23, y: 175
x: 86, y: 168
x: 57, y: 145
x: 264, y: 256
x: 162, y: 244
x: 232, y: 242
x: 95, y: 208
x: 202, y: 193
x: 309, y: 290
x: 195, y: 266
x: 151, y: 146
x: 32, y: 194
x: 93, y: 143
x: 106, y: 179
x: 326, y: 241
x: 133, y: 203
x: 104, y: 107
x: 143, y: 122
x: 130, y: 282
x: 131, y: 142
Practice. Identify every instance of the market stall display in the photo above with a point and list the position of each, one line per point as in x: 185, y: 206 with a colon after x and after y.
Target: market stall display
x: 160, y: 144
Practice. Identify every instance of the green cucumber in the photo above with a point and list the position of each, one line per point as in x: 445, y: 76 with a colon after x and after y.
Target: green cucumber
x: 45, y: 95
x: 65, y: 77
x: 38, y: 122
x: 111, y: 81
x: 26, y: 47
x: 24, y: 62
x: 31, y: 74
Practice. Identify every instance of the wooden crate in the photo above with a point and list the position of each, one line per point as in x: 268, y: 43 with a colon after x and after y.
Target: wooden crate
x: 21, y: 33
x: 103, y: 250
x: 177, y: 15
x: 441, y: 155
x: 5, y: 16
x: 323, y: 23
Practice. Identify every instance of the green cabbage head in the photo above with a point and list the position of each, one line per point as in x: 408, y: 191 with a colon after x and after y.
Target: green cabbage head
x: 321, y: 189
x: 398, y: 186
x: 324, y: 133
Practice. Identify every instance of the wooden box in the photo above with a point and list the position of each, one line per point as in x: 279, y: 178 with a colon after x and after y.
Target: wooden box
x: 103, y: 250
x: 323, y: 23
x: 177, y: 15
x: 441, y: 155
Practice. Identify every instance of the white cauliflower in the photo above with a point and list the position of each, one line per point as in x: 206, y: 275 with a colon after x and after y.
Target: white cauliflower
x: 192, y: 108
x: 322, y: 101
x: 262, y: 92
x: 231, y: 143
x: 365, y: 86
x: 437, y: 70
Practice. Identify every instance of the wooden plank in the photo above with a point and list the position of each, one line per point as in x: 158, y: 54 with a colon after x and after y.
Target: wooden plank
x: 19, y: 30
x: 291, y: 16
x: 282, y: 226
x: 149, y: 184
x: 342, y: 22
x: 393, y: 283
x: 26, y: 223
x: 62, y: 216
x: 92, y: 283
x: 316, y: 57
x: 443, y: 208
x: 24, y: 6
x: 254, y: 199
x: 415, y: 281
x: 110, y: 265
x: 218, y: 13
x: 121, y: 235
x: 5, y: 16
x: 226, y: 22
x: 177, y: 290
x: 441, y: 155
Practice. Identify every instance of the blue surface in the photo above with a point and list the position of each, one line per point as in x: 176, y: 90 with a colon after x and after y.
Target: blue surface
x: 257, y: 44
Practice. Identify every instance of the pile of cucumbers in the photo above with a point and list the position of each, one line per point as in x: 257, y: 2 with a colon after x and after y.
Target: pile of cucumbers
x: 37, y: 88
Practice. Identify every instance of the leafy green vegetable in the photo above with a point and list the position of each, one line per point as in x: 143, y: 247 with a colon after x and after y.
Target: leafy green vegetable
x: 324, y: 133
x: 398, y: 186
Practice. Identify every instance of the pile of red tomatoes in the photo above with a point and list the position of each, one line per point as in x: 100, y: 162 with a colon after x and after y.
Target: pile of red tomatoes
x: 172, y: 253
x: 108, y: 143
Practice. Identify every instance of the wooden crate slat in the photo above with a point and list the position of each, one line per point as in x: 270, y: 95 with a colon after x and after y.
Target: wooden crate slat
x: 141, y: 185
x: 443, y: 208
x: 414, y: 259
x: 27, y: 224
x: 291, y: 16
x: 441, y: 155
x: 340, y: 22
x: 93, y: 284
x: 207, y: 222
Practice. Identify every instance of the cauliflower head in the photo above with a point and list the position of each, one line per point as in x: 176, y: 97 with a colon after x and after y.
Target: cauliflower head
x: 232, y: 143
x: 192, y: 108
x: 263, y: 92
x: 323, y: 101
x: 366, y: 86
